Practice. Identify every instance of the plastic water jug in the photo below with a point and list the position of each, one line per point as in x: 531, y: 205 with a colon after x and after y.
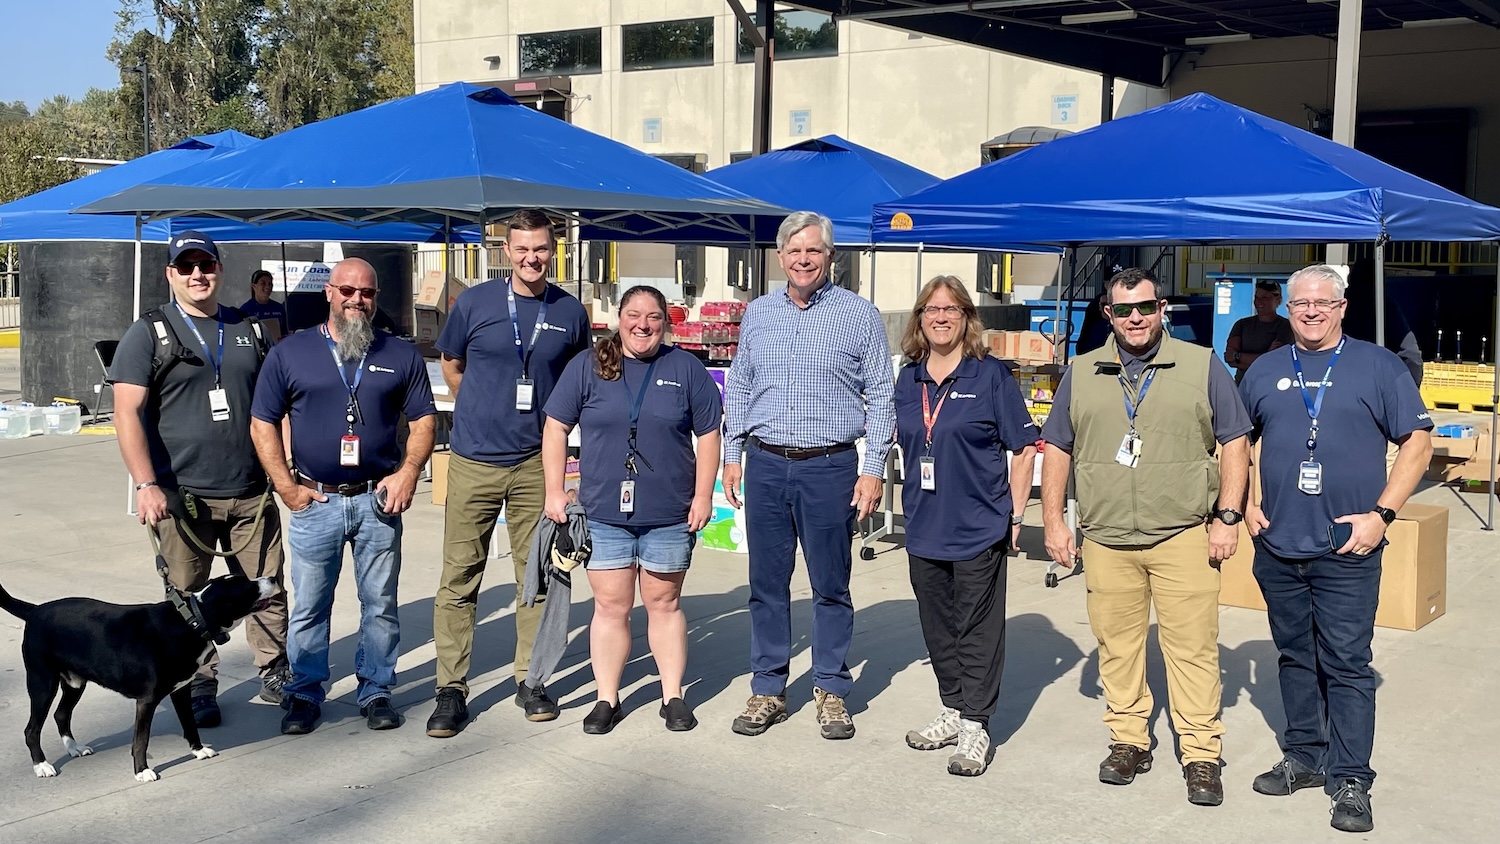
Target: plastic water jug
x: 63, y: 418
x: 15, y: 423
x: 38, y: 419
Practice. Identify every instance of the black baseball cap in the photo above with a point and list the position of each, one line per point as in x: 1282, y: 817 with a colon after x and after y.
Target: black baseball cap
x: 190, y: 241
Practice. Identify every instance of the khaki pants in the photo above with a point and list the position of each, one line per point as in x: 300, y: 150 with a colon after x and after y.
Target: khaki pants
x: 1175, y: 575
x: 230, y: 524
x: 476, y: 492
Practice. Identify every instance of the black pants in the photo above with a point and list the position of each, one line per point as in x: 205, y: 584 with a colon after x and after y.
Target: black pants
x: 962, y: 607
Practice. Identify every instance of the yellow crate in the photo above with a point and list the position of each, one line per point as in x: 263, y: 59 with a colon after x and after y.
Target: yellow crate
x: 1459, y: 375
x: 1466, y: 398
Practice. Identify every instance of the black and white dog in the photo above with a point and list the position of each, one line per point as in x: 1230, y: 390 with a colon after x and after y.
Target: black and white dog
x: 146, y: 652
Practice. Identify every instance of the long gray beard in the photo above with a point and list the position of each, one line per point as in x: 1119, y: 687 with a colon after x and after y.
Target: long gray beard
x: 355, y: 335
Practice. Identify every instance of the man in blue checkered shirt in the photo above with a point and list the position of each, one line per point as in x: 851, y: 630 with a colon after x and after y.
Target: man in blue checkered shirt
x: 813, y: 374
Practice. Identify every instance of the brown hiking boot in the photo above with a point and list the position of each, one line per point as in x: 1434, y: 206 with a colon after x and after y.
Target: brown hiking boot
x: 1123, y: 763
x: 1204, y: 785
x: 761, y: 711
x: 833, y: 718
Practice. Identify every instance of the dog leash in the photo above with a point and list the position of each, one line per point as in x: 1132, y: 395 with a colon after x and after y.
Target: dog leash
x: 192, y: 538
x: 186, y: 603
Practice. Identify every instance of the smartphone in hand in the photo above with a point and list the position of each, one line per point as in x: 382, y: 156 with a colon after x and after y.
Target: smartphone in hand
x: 1339, y: 534
x: 380, y: 497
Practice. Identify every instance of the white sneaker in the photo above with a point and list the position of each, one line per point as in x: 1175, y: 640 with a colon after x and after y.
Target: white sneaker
x: 942, y: 732
x: 972, y: 756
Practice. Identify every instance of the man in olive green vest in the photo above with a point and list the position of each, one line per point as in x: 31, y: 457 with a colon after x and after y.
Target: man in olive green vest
x: 1156, y: 432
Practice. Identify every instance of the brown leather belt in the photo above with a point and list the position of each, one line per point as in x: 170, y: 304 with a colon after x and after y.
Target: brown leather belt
x: 346, y: 490
x: 791, y: 453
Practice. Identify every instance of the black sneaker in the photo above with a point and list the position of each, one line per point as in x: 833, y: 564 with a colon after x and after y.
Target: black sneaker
x: 1351, y: 807
x: 206, y: 711
x: 678, y: 716
x: 301, y: 716
x: 273, y: 684
x: 603, y: 719
x: 1287, y: 776
x: 380, y: 715
x: 449, y: 716
x: 534, y: 699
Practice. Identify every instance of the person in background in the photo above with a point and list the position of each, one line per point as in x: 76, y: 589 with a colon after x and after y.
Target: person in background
x: 647, y: 489
x: 1319, y: 524
x: 1253, y: 336
x: 261, y: 306
x: 958, y: 411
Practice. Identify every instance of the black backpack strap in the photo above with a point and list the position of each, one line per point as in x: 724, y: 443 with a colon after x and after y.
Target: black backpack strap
x: 166, y: 349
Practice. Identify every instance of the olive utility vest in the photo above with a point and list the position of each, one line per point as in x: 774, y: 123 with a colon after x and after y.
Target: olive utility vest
x: 1175, y: 484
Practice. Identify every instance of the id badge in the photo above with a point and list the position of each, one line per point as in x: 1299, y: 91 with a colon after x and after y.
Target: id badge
x: 218, y: 404
x: 1310, y: 477
x: 525, y: 394
x: 349, y: 450
x: 1130, y: 451
x: 627, y: 496
x: 928, y: 472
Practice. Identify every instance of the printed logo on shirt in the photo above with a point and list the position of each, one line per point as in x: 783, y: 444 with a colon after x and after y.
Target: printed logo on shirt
x: 957, y: 395
x: 374, y: 368
x: 1424, y: 416
x: 1284, y: 384
x: 242, y: 341
x: 550, y: 327
x: 662, y: 382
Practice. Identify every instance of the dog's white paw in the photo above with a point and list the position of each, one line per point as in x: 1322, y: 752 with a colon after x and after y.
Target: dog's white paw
x: 76, y: 749
x: 44, y: 769
x: 205, y: 752
x: 147, y: 775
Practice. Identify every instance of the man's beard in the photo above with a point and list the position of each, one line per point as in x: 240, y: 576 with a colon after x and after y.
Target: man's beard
x: 355, y: 334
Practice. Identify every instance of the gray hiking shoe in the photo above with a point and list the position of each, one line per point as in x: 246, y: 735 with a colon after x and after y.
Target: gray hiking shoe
x: 761, y: 711
x: 833, y: 718
x: 942, y: 732
x: 972, y: 756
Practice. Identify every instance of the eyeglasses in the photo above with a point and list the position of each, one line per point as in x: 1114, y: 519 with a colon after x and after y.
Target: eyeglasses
x: 349, y: 292
x: 207, y: 265
x: 1122, y: 310
x: 949, y: 311
x: 1323, y: 306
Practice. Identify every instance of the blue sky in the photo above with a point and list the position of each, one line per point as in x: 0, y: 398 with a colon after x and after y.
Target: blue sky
x: 52, y: 47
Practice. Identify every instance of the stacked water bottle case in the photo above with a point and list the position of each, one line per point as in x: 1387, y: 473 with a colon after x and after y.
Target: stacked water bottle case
x: 24, y: 419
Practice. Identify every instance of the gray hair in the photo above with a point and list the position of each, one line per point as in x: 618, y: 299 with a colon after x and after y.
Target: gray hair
x: 800, y: 220
x: 1316, y: 272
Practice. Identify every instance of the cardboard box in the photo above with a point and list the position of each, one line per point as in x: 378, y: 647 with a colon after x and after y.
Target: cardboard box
x: 1462, y: 448
x: 995, y: 341
x: 1414, y: 571
x: 440, y: 478
x: 427, y: 324
x: 1031, y: 346
x: 432, y: 293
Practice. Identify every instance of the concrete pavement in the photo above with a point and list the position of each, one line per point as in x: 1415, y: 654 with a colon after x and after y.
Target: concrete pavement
x: 63, y: 531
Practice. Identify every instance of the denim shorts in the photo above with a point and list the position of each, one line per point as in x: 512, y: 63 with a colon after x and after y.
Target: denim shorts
x: 667, y: 549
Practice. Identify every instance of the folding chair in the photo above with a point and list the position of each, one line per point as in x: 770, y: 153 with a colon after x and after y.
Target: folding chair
x: 104, y: 352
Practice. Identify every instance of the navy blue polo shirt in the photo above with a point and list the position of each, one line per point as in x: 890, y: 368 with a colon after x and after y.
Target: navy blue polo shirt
x: 271, y: 310
x: 299, y: 378
x: 486, y: 425
x: 1371, y: 400
x: 982, y: 416
x: 681, y: 400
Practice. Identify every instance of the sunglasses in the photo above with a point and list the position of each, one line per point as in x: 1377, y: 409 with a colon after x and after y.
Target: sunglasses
x: 1122, y: 310
x: 207, y: 265
x: 349, y: 292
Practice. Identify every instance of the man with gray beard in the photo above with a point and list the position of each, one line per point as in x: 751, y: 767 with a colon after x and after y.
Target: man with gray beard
x: 345, y: 387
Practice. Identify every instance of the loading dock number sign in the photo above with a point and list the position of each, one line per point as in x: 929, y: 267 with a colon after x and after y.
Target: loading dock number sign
x: 1065, y: 108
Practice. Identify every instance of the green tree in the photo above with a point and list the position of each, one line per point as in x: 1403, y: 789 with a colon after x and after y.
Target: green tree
x: 29, y: 162
x: 13, y: 111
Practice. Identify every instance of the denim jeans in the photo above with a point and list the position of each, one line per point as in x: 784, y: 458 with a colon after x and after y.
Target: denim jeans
x: 787, y: 501
x: 1322, y: 614
x: 317, y: 536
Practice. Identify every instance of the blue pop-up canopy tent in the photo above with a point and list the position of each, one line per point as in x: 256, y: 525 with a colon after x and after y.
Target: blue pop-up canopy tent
x: 1196, y: 170
x: 47, y: 215
x: 458, y: 152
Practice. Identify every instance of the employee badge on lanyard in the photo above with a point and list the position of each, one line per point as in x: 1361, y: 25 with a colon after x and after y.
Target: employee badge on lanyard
x: 349, y: 442
x: 926, y: 465
x: 1310, y: 471
x: 1129, y: 454
x: 525, y: 386
x: 627, y: 486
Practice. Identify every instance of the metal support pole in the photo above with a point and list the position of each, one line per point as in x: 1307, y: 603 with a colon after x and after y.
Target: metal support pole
x: 920, y: 248
x: 873, y: 253
x: 1489, y: 518
x: 1380, y: 293
x: 760, y: 142
x: 1107, y: 99
x: 1346, y: 94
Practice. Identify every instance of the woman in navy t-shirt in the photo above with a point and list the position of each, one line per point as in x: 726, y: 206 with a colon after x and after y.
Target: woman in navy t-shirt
x: 645, y: 485
x: 957, y: 412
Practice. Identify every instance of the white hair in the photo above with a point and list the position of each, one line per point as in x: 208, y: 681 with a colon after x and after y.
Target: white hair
x: 1318, y: 272
x: 800, y: 220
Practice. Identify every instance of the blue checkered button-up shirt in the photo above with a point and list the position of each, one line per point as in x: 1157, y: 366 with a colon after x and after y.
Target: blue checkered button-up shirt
x: 810, y: 377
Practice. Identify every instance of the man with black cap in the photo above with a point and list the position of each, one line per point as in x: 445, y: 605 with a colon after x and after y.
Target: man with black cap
x: 183, y: 377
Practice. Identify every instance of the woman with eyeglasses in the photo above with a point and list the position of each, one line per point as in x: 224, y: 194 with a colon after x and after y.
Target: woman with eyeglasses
x: 958, y: 411
x: 647, y: 487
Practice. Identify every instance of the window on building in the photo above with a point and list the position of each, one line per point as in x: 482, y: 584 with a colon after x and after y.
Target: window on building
x: 799, y: 35
x: 652, y: 46
x: 572, y: 52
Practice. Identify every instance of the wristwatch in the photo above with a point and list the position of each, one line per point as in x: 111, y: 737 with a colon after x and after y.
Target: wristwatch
x: 1229, y: 516
x: 1387, y: 515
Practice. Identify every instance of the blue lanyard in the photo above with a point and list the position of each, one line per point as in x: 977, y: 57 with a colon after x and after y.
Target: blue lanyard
x: 635, y: 409
x: 536, y: 330
x: 217, y: 364
x: 1315, y: 406
x: 359, y: 372
x: 1131, y: 407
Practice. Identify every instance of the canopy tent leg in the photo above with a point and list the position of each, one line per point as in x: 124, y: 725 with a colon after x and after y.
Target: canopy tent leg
x: 873, y: 253
x: 1346, y: 95
x: 135, y: 314
x: 1489, y: 517
x: 1380, y: 293
x: 919, y: 268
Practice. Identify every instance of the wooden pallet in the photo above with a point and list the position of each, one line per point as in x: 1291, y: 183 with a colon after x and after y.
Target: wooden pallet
x: 1463, y: 406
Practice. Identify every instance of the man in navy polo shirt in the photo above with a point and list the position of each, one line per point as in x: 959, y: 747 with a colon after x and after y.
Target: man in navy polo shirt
x: 504, y: 346
x: 345, y: 387
x: 1319, y: 526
